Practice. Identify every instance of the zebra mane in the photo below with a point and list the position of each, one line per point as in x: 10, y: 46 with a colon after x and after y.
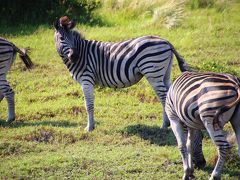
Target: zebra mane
x: 78, y: 34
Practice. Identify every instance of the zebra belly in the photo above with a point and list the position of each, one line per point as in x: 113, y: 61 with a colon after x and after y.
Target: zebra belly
x: 124, y: 82
x: 194, y: 123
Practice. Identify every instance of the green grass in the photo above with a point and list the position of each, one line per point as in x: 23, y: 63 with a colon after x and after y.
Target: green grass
x: 48, y: 141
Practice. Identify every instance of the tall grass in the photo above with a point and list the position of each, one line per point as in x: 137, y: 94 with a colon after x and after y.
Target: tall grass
x: 170, y: 14
x: 155, y: 12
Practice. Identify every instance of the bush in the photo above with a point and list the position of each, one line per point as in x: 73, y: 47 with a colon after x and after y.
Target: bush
x: 17, y: 12
x: 195, y: 4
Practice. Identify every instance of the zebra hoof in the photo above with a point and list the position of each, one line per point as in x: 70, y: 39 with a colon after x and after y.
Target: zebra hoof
x: 185, y: 177
x: 89, y: 129
x: 188, y: 177
x: 10, y: 120
x: 200, y: 164
x: 165, y: 125
x: 215, y: 176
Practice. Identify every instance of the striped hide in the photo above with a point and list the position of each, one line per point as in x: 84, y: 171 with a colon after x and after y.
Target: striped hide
x: 204, y: 101
x: 7, y: 56
x: 115, y: 65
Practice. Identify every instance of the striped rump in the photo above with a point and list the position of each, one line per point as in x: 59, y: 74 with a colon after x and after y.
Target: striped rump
x: 204, y: 101
x: 7, y: 56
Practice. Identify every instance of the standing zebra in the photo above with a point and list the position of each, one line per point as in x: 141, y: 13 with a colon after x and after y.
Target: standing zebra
x: 7, y: 56
x: 204, y: 101
x: 115, y: 65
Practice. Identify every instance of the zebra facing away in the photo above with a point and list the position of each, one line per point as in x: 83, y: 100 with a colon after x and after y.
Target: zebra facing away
x: 7, y: 56
x: 115, y: 65
x: 204, y: 101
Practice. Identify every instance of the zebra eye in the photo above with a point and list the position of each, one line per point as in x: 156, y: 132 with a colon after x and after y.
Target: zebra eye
x: 61, y: 38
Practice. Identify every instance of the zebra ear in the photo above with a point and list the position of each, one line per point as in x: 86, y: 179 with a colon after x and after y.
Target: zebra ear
x: 56, y: 24
x: 72, y: 24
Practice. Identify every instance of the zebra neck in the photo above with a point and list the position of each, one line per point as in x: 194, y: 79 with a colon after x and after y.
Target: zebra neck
x: 77, y: 69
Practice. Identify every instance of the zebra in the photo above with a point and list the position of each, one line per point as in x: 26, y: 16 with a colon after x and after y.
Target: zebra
x: 115, y: 65
x: 8, y: 53
x: 204, y: 101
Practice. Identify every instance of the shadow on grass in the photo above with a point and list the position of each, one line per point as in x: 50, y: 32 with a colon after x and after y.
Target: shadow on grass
x: 154, y: 134
x: 232, y: 173
x: 21, y: 30
x: 21, y: 123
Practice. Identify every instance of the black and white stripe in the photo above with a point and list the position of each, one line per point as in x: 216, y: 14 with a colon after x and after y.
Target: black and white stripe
x: 204, y: 101
x: 116, y: 65
x: 7, y: 55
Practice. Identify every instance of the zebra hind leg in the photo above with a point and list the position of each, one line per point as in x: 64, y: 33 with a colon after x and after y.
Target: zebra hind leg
x: 8, y: 93
x: 179, y: 133
x: 161, y: 88
x: 190, y: 136
x: 224, y: 147
x: 1, y: 96
x: 235, y: 122
x: 198, y: 157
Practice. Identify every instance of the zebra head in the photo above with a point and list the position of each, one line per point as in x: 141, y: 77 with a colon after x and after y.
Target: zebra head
x: 65, y: 39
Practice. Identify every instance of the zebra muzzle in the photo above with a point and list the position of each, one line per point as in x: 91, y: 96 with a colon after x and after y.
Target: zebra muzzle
x: 73, y: 55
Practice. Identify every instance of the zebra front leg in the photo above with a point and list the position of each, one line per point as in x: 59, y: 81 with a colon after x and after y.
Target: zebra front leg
x: 89, y: 104
x: 8, y: 93
x: 178, y: 131
x: 223, y: 148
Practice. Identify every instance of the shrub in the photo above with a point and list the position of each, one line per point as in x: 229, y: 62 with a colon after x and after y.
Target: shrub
x: 220, y: 5
x: 195, y: 4
x: 17, y: 12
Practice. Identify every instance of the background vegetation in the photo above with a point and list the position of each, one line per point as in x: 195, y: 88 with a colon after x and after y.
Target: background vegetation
x: 48, y: 139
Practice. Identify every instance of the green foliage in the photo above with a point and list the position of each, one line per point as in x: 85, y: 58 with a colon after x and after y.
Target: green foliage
x: 123, y: 11
x: 17, y: 12
x: 214, y: 66
x: 195, y: 4
x: 220, y: 5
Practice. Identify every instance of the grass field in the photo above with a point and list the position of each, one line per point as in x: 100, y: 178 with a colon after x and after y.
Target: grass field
x: 47, y: 140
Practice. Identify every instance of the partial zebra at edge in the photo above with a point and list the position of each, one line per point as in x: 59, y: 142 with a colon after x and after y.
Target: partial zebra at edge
x: 204, y: 101
x: 8, y: 53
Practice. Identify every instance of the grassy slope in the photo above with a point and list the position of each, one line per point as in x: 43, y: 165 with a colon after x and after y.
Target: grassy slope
x: 48, y: 141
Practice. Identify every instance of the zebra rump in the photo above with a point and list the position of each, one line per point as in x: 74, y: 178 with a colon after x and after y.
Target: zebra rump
x: 204, y: 101
x: 8, y: 53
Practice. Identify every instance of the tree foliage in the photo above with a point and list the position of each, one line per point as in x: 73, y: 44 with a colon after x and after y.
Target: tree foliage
x: 15, y: 12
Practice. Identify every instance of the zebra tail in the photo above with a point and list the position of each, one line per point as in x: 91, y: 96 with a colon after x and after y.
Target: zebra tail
x: 216, y: 124
x: 183, y: 66
x: 23, y: 54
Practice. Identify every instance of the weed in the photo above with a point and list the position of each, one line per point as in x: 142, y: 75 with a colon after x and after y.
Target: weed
x: 170, y: 14
x: 49, y: 135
